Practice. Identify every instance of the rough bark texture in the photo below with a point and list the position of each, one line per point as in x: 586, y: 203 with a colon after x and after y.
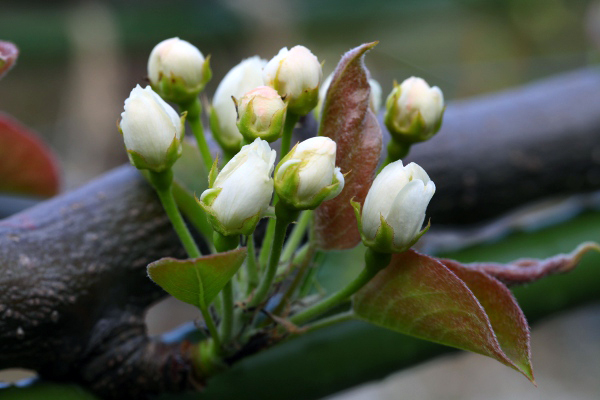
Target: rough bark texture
x: 73, y: 289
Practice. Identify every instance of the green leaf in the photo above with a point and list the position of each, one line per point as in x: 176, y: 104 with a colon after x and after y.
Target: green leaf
x: 418, y: 296
x: 196, y: 281
x: 506, y: 317
x: 27, y: 166
x: 348, y: 120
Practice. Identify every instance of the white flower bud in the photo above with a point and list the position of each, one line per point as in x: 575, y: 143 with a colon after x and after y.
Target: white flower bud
x: 177, y: 70
x: 394, y: 210
x: 307, y: 175
x: 296, y: 75
x: 242, y: 191
x: 151, y: 129
x: 223, y: 117
x: 374, y: 97
x: 261, y: 114
x: 414, y: 111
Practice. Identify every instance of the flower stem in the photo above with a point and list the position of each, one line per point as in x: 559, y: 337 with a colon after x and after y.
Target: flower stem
x: 284, y: 217
x: 306, y: 255
x: 251, y: 266
x: 263, y: 257
x: 222, y: 244
x: 296, y: 236
x: 395, y: 151
x: 291, y: 119
x: 194, y: 112
x: 162, y: 182
x: 374, y: 261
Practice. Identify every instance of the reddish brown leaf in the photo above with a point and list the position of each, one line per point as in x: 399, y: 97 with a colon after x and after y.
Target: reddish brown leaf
x: 347, y: 119
x: 417, y: 295
x: 8, y: 55
x: 506, y: 317
x: 527, y: 270
x: 27, y: 166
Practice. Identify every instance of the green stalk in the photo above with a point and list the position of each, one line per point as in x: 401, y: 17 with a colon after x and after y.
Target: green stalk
x: 296, y: 236
x: 162, y: 182
x: 284, y: 217
x: 251, y: 266
x: 263, y: 257
x: 395, y: 151
x: 291, y: 119
x: 194, y: 112
x: 222, y: 244
x: 374, y: 263
x: 305, y: 259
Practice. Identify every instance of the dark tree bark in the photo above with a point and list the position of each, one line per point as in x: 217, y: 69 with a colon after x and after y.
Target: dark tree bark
x: 73, y: 289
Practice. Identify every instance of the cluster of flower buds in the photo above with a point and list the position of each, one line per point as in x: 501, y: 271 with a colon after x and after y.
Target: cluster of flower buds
x: 414, y: 111
x: 394, y: 209
x: 177, y: 70
x: 152, y: 130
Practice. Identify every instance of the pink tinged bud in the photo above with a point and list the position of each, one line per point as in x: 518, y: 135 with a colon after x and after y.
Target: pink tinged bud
x: 261, y: 114
x: 8, y: 56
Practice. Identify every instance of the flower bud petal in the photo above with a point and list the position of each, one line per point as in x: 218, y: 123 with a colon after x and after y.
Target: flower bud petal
x: 150, y: 128
x: 399, y: 196
x: 239, y: 80
x: 245, y: 188
x: 307, y: 176
x: 296, y: 75
x: 177, y: 70
x: 414, y: 111
x: 261, y: 114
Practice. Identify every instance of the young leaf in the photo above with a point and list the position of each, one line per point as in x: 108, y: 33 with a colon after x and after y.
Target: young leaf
x: 418, y: 296
x: 348, y: 120
x: 27, y: 166
x: 528, y: 270
x: 8, y: 55
x: 506, y: 317
x: 196, y: 281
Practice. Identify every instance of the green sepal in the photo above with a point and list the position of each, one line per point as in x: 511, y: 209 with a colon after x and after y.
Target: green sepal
x: 247, y: 227
x: 172, y: 88
x: 213, y: 173
x: 173, y: 153
x: 246, y: 127
x: 305, y: 102
x: 384, y: 238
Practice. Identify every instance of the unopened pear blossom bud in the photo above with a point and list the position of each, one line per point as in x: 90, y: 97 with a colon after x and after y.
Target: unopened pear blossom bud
x: 223, y: 117
x: 151, y: 129
x: 394, y: 210
x: 296, y: 75
x: 307, y: 175
x: 261, y: 114
x: 374, y: 97
x: 177, y: 70
x: 414, y: 111
x: 240, y: 194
